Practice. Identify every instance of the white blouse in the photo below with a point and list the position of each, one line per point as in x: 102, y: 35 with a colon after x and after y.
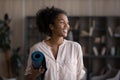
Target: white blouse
x: 67, y: 66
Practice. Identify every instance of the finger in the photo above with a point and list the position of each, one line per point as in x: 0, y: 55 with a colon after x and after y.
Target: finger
x: 42, y: 70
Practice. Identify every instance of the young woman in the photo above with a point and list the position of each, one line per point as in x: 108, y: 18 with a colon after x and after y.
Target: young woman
x: 64, y: 58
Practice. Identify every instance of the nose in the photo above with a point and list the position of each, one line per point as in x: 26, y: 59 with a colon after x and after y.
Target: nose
x: 67, y: 25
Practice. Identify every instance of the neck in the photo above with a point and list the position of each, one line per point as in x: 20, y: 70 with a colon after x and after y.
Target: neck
x: 55, y: 41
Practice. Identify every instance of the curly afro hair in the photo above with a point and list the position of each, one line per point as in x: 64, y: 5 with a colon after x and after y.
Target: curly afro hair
x: 45, y: 17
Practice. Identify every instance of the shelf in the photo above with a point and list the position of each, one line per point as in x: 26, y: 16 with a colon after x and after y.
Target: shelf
x: 88, y: 31
x: 94, y: 57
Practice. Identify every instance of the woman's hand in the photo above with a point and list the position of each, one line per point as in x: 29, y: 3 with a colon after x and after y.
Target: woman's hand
x: 34, y: 73
x: 37, y: 72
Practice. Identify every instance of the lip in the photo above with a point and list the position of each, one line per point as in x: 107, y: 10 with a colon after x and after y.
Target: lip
x: 65, y: 31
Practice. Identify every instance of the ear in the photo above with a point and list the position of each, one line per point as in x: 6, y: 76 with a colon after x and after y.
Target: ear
x: 51, y: 26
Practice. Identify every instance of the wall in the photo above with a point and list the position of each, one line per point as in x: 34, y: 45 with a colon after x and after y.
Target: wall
x: 19, y: 9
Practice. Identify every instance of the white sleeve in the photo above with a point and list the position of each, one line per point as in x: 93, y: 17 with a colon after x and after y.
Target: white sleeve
x: 81, y: 73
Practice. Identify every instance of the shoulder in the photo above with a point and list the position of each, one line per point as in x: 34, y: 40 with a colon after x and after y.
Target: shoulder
x: 72, y: 43
x: 36, y: 46
x: 74, y: 46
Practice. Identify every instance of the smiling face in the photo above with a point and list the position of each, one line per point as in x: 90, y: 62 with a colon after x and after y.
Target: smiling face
x: 60, y: 26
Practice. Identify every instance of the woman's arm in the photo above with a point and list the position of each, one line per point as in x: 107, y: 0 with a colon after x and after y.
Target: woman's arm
x: 30, y: 72
x: 80, y: 66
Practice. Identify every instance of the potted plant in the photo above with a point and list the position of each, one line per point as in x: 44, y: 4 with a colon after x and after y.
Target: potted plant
x: 16, y: 62
x: 6, y: 49
x: 5, y: 41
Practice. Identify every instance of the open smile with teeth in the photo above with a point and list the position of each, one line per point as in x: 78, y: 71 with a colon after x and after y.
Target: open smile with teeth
x: 65, y: 31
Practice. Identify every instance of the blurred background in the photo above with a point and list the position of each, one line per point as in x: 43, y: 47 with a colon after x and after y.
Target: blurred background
x: 95, y: 24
